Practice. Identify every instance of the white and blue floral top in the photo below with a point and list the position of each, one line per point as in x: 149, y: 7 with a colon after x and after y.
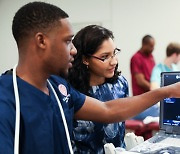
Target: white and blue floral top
x: 89, y: 137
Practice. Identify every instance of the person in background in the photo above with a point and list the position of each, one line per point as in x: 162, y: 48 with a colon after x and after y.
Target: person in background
x: 141, y: 65
x: 37, y: 104
x: 94, y: 73
x: 169, y: 64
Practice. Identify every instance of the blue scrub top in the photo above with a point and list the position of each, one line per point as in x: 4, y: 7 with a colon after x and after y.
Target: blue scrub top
x: 41, y: 126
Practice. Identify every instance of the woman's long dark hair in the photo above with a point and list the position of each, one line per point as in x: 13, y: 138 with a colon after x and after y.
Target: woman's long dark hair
x: 87, y: 41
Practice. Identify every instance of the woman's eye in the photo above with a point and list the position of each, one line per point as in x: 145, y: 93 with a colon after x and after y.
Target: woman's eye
x: 68, y: 41
x: 105, y: 57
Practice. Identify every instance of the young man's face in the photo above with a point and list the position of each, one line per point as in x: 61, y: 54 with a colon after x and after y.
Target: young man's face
x: 149, y: 47
x: 61, y: 50
x: 177, y: 58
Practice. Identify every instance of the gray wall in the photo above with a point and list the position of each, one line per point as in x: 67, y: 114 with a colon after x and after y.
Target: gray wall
x: 130, y: 20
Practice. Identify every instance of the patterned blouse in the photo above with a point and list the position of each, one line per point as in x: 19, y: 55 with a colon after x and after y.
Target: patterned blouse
x: 89, y: 137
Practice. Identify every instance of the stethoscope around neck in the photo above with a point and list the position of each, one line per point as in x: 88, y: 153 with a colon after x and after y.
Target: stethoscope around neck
x: 17, y: 122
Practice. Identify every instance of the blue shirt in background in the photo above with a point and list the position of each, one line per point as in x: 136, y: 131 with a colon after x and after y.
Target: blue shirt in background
x: 156, y: 72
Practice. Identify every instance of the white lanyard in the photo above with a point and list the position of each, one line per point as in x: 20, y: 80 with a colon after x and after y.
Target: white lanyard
x: 63, y: 118
x: 17, y: 122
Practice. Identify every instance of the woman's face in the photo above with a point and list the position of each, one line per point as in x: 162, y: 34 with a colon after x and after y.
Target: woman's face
x: 99, y: 69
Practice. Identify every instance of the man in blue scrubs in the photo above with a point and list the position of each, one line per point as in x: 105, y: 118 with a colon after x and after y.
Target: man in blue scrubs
x: 44, y: 35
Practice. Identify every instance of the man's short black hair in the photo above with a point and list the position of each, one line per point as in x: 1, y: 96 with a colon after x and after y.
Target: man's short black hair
x: 35, y: 17
x: 146, y: 39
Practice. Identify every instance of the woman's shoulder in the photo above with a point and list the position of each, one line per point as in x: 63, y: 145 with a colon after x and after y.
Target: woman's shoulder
x: 121, y: 78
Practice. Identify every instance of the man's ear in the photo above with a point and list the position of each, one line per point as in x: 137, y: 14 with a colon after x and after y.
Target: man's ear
x: 40, y: 39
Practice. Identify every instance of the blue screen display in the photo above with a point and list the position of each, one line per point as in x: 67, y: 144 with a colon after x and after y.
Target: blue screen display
x: 171, y: 113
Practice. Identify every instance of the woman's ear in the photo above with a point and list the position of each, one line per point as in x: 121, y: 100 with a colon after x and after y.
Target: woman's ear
x: 85, y: 61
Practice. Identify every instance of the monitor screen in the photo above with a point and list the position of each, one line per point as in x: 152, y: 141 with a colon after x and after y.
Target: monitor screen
x: 171, y: 106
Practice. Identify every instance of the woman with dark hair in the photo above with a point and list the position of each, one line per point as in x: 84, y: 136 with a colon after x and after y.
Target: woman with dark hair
x: 95, y: 73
